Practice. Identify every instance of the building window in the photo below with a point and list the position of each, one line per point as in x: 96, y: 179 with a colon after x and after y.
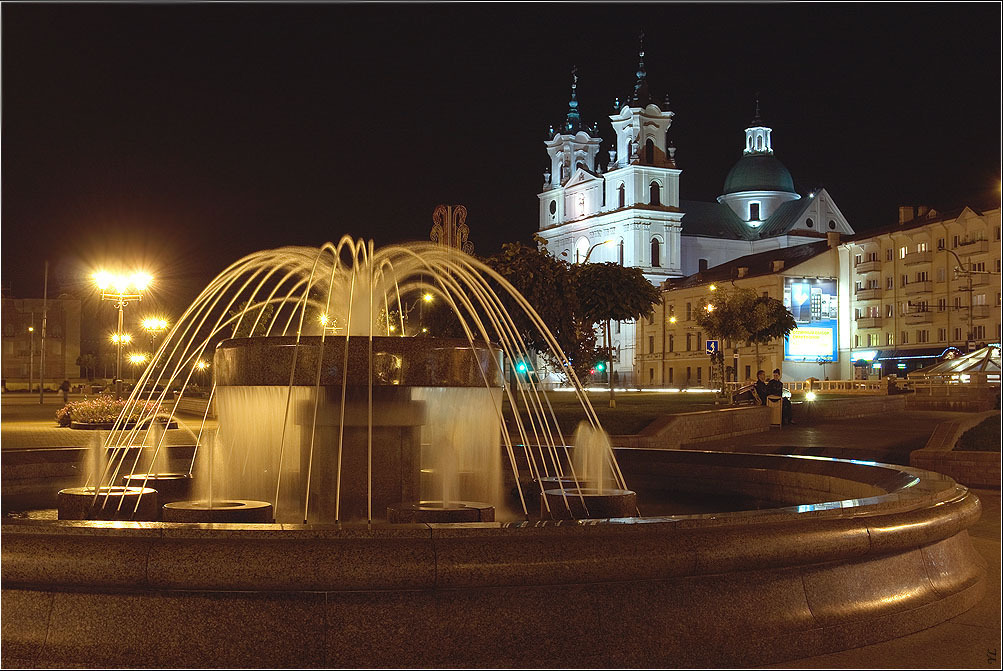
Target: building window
x: 689, y: 374
x: 649, y: 151
x: 857, y: 286
x: 620, y: 252
x: 890, y: 282
x: 651, y: 375
x: 979, y: 333
x: 941, y: 335
x: 922, y: 276
x: 671, y: 374
x: 957, y: 302
x: 905, y: 280
x: 689, y: 314
x: 699, y: 374
x: 889, y: 310
x: 923, y: 336
x: 622, y: 195
x: 941, y: 304
x: 832, y: 225
x: 809, y: 223
x: 941, y: 243
x: 655, y: 193
x: 701, y: 265
x: 889, y: 340
x: 905, y: 338
x: 689, y: 342
x: 903, y: 251
x: 856, y: 313
x: 957, y: 335
x: 955, y: 241
x: 922, y: 247
x: 940, y: 274
x: 748, y: 372
x: 656, y: 253
x: 754, y: 211
x: 672, y: 343
x: 857, y: 259
x: 888, y: 254
x: 651, y: 344
x: 699, y: 341
x: 856, y: 341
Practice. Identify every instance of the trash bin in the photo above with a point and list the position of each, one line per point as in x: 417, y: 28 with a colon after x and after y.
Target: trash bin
x: 776, y: 406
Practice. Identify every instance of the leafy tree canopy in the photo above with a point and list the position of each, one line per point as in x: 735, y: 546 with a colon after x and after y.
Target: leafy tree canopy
x: 609, y: 291
x: 743, y: 315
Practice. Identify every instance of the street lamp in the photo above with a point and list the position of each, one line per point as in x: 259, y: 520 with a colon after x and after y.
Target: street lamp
x: 120, y: 289
x: 154, y: 326
x: 136, y: 359
x: 31, y: 354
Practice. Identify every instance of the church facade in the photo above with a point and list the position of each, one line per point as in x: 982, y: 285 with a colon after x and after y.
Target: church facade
x: 628, y: 209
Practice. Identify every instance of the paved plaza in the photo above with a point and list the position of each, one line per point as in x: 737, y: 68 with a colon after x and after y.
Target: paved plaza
x: 970, y: 640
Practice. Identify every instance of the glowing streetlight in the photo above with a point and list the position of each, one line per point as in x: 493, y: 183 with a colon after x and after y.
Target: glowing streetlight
x: 31, y: 355
x: 121, y: 338
x: 121, y: 289
x: 201, y: 366
x: 427, y: 298
x: 713, y: 287
x: 672, y: 319
x: 710, y: 307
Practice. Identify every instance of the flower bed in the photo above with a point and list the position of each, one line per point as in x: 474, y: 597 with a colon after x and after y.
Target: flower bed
x: 102, y: 411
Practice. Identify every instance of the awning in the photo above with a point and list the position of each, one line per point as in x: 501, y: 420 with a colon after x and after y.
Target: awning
x: 916, y: 353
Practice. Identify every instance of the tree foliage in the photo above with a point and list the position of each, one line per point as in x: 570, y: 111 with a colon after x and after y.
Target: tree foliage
x: 611, y: 292
x: 742, y: 315
x: 88, y: 362
x: 251, y: 319
x: 548, y: 284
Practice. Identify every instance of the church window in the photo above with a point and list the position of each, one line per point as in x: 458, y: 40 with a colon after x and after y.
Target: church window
x: 672, y: 343
x: 702, y: 265
x: 651, y: 344
x: 649, y: 151
x: 832, y: 224
x: 809, y: 223
x: 656, y: 253
x: 553, y: 207
x: 620, y: 252
x: 655, y: 194
x: 759, y: 143
x: 622, y: 195
x: 754, y: 211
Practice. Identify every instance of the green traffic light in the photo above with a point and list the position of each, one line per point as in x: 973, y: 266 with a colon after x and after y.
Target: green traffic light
x: 601, y: 366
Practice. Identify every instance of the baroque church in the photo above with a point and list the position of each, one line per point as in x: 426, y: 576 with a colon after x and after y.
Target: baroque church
x: 629, y: 211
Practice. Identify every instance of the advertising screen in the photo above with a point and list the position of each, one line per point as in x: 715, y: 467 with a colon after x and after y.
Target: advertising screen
x: 813, y: 303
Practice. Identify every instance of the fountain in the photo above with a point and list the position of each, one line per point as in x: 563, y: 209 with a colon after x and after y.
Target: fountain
x: 353, y: 506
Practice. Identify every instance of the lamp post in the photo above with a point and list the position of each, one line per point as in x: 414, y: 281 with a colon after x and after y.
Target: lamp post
x: 31, y: 353
x: 154, y: 326
x: 136, y: 359
x: 121, y: 289
x: 609, y: 335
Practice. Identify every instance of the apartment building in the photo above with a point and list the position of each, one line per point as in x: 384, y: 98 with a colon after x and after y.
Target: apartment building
x: 929, y: 284
x: 884, y: 302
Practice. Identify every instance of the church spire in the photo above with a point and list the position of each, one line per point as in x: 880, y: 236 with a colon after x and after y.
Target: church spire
x: 756, y: 120
x: 641, y: 96
x: 573, y: 123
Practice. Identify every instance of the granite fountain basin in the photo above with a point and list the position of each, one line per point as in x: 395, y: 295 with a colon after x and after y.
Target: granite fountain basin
x: 852, y: 554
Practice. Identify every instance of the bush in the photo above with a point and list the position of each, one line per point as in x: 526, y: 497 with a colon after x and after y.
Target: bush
x: 102, y: 409
x: 985, y: 437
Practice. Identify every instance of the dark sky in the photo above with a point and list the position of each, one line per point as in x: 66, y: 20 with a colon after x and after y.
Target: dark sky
x: 184, y: 136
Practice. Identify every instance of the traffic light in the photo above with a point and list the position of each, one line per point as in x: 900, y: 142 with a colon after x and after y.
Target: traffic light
x: 600, y: 366
x: 521, y: 367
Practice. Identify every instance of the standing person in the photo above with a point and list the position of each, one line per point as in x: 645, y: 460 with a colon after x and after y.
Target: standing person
x: 65, y: 388
x: 775, y: 387
x: 761, y: 386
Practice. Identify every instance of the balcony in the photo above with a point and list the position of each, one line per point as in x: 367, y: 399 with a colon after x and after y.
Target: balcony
x: 974, y: 247
x: 868, y: 322
x: 867, y: 294
x: 868, y: 267
x: 919, y: 317
x: 980, y: 280
x: 924, y: 287
x: 913, y: 258
x: 981, y: 311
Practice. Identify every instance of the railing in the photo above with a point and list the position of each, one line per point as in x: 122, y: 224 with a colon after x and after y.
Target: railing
x: 868, y: 266
x: 869, y: 322
x: 923, y: 287
x: 973, y: 247
x: 867, y: 294
x: 918, y: 257
x: 823, y: 386
x: 981, y: 311
x: 919, y: 317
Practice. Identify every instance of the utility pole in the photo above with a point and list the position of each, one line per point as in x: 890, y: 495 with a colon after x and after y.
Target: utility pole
x: 962, y: 271
x: 31, y: 353
x: 45, y: 314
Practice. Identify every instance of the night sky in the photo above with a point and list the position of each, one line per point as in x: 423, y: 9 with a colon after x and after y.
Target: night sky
x: 182, y: 137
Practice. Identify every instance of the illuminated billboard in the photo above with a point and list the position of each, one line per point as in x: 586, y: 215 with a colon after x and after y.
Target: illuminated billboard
x: 813, y: 303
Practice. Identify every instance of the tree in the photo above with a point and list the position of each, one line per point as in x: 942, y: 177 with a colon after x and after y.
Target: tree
x: 548, y: 284
x: 610, y: 292
x: 742, y: 315
x: 88, y: 362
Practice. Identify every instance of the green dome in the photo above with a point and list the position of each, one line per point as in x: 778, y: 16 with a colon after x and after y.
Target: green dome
x: 758, y: 172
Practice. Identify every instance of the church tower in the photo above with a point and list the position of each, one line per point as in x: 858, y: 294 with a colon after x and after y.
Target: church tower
x: 628, y: 213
